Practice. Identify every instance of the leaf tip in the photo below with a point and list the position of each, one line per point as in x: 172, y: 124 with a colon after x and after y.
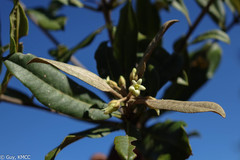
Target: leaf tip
x: 173, y: 21
x: 219, y: 110
x: 34, y: 60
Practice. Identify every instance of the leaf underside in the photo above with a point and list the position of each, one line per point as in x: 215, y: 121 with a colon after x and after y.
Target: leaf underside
x: 79, y: 73
x: 53, y: 89
x: 212, y: 34
x: 186, y: 106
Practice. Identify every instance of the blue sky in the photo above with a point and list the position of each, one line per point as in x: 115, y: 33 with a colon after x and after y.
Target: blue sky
x: 29, y: 131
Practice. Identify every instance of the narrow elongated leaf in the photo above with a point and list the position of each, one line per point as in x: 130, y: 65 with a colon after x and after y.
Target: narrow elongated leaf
x: 213, y: 34
x: 97, y: 132
x: 18, y: 26
x: 53, y: 89
x: 236, y: 5
x: 203, y: 64
x: 59, y: 51
x: 125, y: 40
x: 124, y: 147
x: 166, y: 68
x: 4, y: 49
x: 107, y: 65
x: 152, y: 80
x: 154, y: 43
x: 216, y: 11
x: 5, y: 81
x: 85, y: 42
x: 214, y: 57
x: 166, y: 141
x: 186, y: 106
x: 163, y: 4
x: 75, y: 3
x: 46, y: 20
x: 230, y: 5
x: 80, y: 73
x: 147, y: 18
x: 179, y: 5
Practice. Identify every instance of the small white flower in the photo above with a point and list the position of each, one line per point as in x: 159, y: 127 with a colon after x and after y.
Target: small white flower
x: 136, y: 87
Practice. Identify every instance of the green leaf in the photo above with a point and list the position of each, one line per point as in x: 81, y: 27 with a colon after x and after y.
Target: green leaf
x: 85, y: 42
x: 185, y: 106
x: 152, y: 80
x: 46, y: 20
x: 5, y: 81
x: 230, y: 5
x: 216, y: 11
x: 75, y: 3
x: 80, y: 73
x: 164, y: 157
x: 147, y: 18
x: 163, y: 4
x: 181, y: 51
x: 214, y: 57
x: 234, y: 5
x: 53, y: 89
x: 59, y: 51
x: 179, y: 5
x: 107, y: 65
x: 125, y: 40
x: 2, y: 50
x: 203, y: 64
x: 97, y: 132
x: 183, y: 79
x: 166, y: 141
x: 153, y: 44
x: 161, y: 68
x: 212, y: 34
x: 18, y: 26
x: 124, y: 147
x: 54, y: 7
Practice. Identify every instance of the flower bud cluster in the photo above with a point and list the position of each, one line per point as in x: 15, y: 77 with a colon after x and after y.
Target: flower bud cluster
x: 135, y: 89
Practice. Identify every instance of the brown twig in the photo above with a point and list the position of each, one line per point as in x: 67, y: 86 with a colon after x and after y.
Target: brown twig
x: 236, y: 19
x: 106, y: 9
x: 76, y: 62
x: 49, y: 35
x: 98, y: 9
x: 198, y: 20
x: 13, y: 100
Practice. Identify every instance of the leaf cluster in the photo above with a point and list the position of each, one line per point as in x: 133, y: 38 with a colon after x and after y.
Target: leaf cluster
x: 132, y: 57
